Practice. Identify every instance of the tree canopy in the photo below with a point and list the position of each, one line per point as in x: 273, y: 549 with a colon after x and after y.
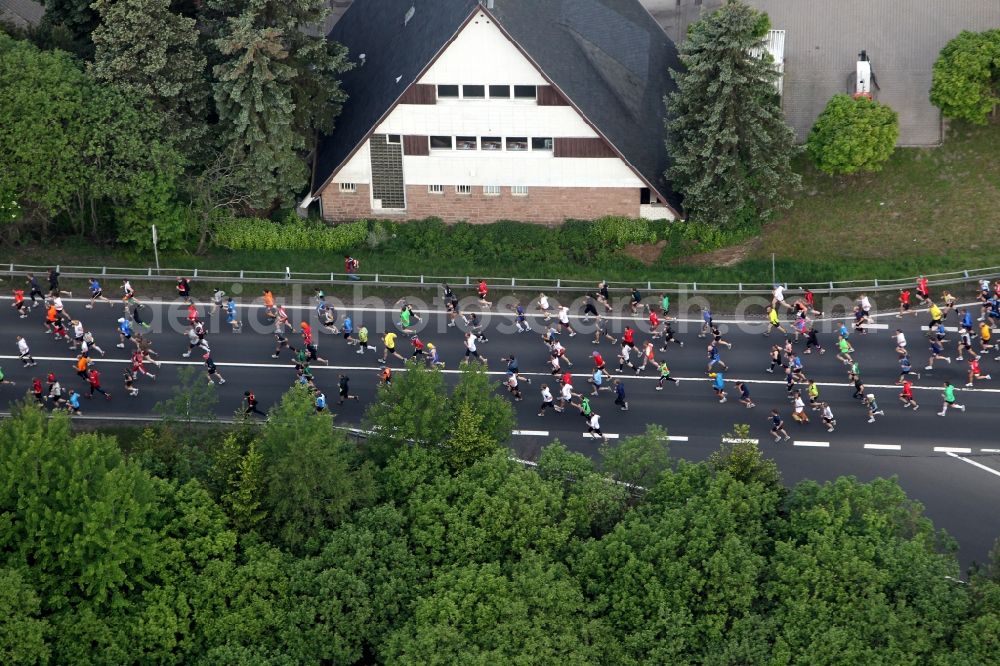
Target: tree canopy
x: 967, y: 76
x: 853, y: 135
x: 730, y: 146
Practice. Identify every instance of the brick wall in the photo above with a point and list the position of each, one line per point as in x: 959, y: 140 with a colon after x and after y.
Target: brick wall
x: 542, y: 204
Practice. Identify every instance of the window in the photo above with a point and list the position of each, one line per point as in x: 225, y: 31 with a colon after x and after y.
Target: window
x: 463, y: 189
x: 539, y: 143
x: 473, y: 92
x: 393, y: 138
x: 517, y: 143
x: 445, y: 92
x: 524, y: 92
x: 440, y: 143
x: 435, y: 189
x: 491, y: 190
x: 348, y: 187
x: 519, y: 190
x: 499, y: 91
x: 466, y: 142
x: 492, y: 143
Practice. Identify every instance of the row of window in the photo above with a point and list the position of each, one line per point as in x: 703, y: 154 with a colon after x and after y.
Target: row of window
x: 512, y: 143
x: 486, y: 92
x: 489, y: 190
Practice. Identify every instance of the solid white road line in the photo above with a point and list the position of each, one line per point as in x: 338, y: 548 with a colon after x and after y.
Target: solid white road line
x: 974, y: 463
x: 951, y: 449
x: 531, y: 433
x: 800, y: 442
x: 607, y: 435
x: 278, y: 364
x: 884, y: 447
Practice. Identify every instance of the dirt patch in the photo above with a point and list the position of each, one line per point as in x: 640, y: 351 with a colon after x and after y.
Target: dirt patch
x: 726, y: 256
x: 647, y: 254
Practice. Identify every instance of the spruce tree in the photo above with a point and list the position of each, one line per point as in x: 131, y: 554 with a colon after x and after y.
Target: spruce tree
x: 143, y: 47
x: 728, y: 141
x: 253, y: 96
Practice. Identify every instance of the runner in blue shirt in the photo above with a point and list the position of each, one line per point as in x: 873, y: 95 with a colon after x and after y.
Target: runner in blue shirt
x: 232, y: 317
x: 73, y: 405
x: 620, y: 395
x: 96, y: 293
x: 124, y: 332
x: 719, y: 385
x: 706, y: 322
x: 320, y: 401
x: 713, y: 358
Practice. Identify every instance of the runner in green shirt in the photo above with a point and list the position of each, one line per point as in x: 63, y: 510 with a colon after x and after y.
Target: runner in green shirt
x: 845, y: 350
x: 949, y: 400
x: 665, y: 305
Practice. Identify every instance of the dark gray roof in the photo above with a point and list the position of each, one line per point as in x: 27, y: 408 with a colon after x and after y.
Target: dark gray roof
x: 22, y: 13
x: 609, y: 57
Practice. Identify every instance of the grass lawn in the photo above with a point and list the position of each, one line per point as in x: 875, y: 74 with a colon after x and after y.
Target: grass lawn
x: 932, y: 204
x: 930, y: 210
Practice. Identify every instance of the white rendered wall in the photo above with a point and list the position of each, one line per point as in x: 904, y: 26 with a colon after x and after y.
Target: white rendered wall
x: 482, y: 54
x: 517, y: 169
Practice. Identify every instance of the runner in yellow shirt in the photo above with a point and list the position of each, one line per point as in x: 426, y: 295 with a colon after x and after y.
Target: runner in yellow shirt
x: 389, y: 340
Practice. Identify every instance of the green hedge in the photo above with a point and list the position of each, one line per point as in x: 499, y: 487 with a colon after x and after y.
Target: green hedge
x: 244, y: 233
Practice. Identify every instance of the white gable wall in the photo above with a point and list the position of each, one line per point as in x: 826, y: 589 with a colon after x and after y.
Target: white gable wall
x: 481, y: 54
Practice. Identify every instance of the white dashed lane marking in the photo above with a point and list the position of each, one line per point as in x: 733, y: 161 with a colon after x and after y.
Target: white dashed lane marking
x: 800, y: 442
x: 884, y: 447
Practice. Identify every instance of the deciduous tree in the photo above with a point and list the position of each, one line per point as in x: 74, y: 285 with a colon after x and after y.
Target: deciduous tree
x: 967, y: 75
x: 853, y: 135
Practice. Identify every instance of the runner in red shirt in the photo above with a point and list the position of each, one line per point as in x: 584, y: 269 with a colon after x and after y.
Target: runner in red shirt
x: 974, y: 372
x: 483, y: 290
x: 307, y: 335
x: 36, y: 390
x: 628, y: 336
x: 137, y: 364
x: 94, y: 379
x: 923, y: 291
x: 192, y: 314
x: 19, y: 304
x: 811, y: 301
x: 904, y: 303
x: 906, y: 396
x: 654, y: 323
x: 598, y: 360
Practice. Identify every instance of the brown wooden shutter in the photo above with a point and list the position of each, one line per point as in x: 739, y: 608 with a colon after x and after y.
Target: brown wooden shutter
x: 580, y: 147
x: 416, y: 145
x: 419, y: 93
x: 549, y: 96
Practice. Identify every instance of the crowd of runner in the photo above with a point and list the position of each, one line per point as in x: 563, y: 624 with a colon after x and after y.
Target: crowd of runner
x: 632, y: 354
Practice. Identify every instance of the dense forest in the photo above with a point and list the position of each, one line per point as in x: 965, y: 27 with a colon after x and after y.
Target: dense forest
x: 286, y: 542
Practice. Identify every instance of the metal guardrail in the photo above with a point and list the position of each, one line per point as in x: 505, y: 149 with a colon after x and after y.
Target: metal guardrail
x: 289, y: 276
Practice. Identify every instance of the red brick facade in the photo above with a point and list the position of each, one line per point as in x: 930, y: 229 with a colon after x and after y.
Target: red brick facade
x: 545, y: 205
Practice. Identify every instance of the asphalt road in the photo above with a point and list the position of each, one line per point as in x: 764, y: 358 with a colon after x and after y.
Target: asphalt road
x: 951, y: 464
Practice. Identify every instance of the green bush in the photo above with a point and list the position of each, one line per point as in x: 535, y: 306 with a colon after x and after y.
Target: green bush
x: 244, y: 233
x: 621, y: 231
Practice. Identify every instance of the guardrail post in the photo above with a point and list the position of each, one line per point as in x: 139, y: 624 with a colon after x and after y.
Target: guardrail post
x: 331, y: 276
x: 104, y: 270
x: 876, y: 283
x: 467, y: 283
x: 421, y: 279
x: 513, y: 282
x: 196, y: 272
x: 740, y: 287
x: 288, y: 273
x: 694, y: 286
x: 376, y: 277
x: 558, y: 283
x: 12, y: 269
x: 649, y: 286
x: 241, y: 273
x: 149, y: 271
x: 966, y: 273
x: 58, y: 270
x: 831, y: 286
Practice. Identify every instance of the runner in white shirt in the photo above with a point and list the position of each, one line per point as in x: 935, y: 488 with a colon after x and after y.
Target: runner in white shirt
x: 565, y: 397
x: 470, y: 349
x: 799, y: 415
x: 866, y: 306
x: 564, y: 324
x: 828, y: 419
x: 546, y: 400
x: 543, y: 305
x: 778, y: 296
x: 24, y: 352
x: 88, y: 343
x: 594, y: 426
x: 900, y: 343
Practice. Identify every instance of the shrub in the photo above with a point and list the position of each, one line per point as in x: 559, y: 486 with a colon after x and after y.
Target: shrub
x: 966, y: 75
x: 853, y: 135
x: 243, y: 233
x: 621, y: 231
